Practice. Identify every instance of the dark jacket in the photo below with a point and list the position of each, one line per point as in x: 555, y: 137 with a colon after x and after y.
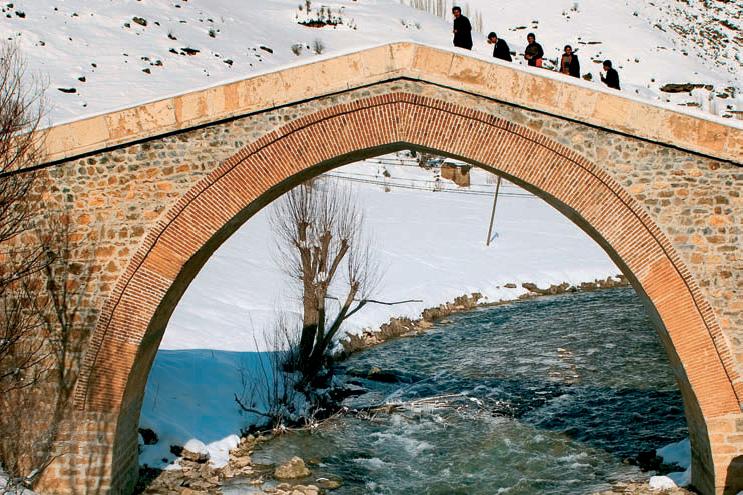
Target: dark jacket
x: 462, y: 32
x: 570, y: 65
x: 501, y: 50
x: 535, y: 50
x: 611, y: 79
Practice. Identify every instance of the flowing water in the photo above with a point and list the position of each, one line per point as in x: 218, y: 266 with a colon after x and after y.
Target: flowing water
x: 546, y: 396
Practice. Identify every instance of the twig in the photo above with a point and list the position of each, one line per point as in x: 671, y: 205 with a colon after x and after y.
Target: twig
x: 374, y: 301
x: 250, y: 409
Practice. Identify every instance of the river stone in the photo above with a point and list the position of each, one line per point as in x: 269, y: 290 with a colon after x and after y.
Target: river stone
x: 198, y: 457
x: 149, y: 437
x: 328, y: 484
x: 293, y: 469
x: 379, y: 375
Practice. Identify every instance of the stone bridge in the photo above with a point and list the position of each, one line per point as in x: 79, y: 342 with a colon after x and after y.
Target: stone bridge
x: 158, y: 187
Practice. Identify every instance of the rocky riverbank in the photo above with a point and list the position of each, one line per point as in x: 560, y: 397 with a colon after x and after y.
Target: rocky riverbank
x: 407, y: 327
x: 643, y: 488
x: 197, y: 476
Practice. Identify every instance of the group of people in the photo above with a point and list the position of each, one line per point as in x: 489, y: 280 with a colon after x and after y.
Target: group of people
x: 533, y: 54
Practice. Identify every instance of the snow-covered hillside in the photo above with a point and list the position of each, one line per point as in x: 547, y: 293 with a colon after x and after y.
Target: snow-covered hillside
x: 99, y: 55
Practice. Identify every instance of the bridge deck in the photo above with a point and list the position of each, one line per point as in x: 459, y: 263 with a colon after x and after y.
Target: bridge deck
x: 535, y: 89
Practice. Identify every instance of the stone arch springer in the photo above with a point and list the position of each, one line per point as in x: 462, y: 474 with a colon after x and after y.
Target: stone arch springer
x: 133, y: 318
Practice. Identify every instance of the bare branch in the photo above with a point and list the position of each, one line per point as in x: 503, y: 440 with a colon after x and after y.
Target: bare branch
x: 251, y: 410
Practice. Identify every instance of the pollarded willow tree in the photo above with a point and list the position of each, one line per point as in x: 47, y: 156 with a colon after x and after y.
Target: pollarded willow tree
x: 323, y: 248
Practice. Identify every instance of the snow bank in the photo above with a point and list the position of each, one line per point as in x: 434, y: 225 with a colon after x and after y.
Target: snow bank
x: 678, y: 453
x: 190, y: 402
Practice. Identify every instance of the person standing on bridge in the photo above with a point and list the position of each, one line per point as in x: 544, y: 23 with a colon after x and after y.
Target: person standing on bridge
x: 534, y: 52
x: 569, y: 63
x: 611, y: 78
x: 462, y: 29
x: 501, y: 50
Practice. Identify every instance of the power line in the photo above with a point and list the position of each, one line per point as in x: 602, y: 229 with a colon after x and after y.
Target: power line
x: 428, y: 181
x: 428, y: 189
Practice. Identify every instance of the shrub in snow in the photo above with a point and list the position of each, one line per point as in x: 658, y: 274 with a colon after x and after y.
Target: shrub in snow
x: 318, y: 47
x: 324, y: 16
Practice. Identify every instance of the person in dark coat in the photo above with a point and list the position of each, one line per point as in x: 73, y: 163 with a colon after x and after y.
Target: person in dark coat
x: 612, y: 76
x: 533, y: 53
x: 462, y: 29
x: 569, y: 63
x: 501, y: 50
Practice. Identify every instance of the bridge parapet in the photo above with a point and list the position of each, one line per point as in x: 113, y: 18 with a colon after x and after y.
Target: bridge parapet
x: 535, y: 89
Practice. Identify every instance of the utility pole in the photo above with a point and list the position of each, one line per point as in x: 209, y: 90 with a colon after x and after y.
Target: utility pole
x: 492, y: 215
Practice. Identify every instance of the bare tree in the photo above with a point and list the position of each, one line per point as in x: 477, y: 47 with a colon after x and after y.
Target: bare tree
x: 21, y: 111
x: 319, y: 235
x: 52, y: 329
x: 442, y: 8
x: 38, y: 323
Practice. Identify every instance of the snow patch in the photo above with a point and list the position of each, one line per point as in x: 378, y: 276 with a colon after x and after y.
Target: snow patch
x: 678, y: 453
x: 661, y: 483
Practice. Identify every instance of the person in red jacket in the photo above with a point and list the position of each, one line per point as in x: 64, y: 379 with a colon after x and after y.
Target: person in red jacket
x: 569, y: 63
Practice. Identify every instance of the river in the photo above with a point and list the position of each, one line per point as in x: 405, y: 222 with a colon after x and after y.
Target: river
x: 548, y: 396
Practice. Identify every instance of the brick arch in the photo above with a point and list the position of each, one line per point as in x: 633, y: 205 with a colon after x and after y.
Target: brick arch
x: 133, y: 320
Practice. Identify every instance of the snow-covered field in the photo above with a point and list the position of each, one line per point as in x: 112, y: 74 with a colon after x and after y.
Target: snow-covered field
x: 428, y: 234
x: 93, y: 52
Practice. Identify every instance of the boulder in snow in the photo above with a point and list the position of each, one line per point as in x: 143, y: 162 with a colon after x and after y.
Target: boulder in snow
x: 195, y: 451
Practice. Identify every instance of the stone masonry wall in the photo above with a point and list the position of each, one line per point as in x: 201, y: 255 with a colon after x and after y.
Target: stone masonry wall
x: 115, y: 197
